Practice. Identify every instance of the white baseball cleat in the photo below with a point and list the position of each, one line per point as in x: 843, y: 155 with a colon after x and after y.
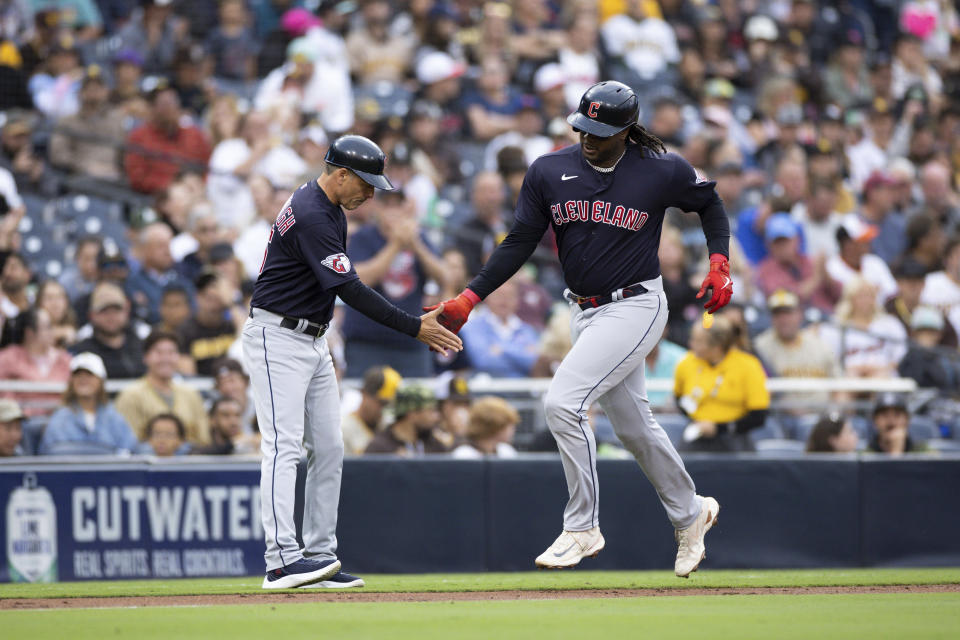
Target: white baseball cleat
x: 570, y: 548
x: 690, y: 548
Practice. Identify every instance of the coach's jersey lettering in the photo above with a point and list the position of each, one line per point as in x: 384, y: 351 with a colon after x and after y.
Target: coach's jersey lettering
x: 285, y: 220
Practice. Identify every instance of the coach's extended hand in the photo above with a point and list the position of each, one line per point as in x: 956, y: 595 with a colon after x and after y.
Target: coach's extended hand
x: 457, y: 310
x: 718, y: 279
x: 435, y: 336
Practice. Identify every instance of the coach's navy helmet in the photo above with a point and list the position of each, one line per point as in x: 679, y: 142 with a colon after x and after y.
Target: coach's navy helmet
x: 606, y: 109
x: 363, y: 157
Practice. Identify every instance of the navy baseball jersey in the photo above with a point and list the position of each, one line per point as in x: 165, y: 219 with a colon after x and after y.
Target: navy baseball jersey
x: 608, y: 224
x: 305, y: 259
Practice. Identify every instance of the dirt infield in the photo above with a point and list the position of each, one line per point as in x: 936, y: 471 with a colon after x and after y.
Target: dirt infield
x: 456, y: 596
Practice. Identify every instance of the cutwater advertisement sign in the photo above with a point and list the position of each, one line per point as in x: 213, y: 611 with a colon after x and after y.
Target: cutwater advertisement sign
x: 85, y: 523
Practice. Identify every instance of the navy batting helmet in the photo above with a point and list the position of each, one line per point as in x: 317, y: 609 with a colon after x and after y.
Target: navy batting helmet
x: 363, y: 157
x: 606, y: 109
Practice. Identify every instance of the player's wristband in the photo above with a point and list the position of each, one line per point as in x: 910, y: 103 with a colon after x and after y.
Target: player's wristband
x: 471, y: 296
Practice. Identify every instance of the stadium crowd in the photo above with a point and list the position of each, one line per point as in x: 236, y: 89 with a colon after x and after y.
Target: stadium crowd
x: 146, y: 148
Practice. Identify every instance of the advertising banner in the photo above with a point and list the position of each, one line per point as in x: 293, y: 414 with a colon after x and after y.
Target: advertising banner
x: 81, y: 523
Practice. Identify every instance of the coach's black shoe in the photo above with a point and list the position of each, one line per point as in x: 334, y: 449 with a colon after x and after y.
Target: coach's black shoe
x: 340, y: 580
x: 299, y: 573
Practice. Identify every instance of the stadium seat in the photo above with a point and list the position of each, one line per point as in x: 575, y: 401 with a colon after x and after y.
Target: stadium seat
x: 780, y: 446
x: 471, y: 158
x: 862, y: 426
x: 81, y: 449
x: 771, y: 430
x: 940, y: 444
x: 923, y: 428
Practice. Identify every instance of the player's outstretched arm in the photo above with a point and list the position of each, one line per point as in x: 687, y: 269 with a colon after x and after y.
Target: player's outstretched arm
x: 436, y: 336
x: 425, y: 328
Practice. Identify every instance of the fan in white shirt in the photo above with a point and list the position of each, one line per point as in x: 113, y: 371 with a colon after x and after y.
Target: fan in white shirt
x: 941, y: 289
x: 579, y: 62
x: 646, y: 44
x: 259, y: 151
x: 869, y: 342
x: 490, y: 430
x: 854, y: 258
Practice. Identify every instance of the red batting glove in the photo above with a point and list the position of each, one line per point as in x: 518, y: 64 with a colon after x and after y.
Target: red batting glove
x: 455, y: 312
x: 718, y: 279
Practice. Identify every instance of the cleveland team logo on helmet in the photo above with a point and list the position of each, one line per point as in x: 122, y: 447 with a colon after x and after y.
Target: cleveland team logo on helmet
x: 606, y: 109
x: 363, y: 157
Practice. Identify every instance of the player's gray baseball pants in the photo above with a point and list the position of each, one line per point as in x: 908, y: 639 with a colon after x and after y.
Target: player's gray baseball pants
x: 295, y: 392
x: 606, y: 364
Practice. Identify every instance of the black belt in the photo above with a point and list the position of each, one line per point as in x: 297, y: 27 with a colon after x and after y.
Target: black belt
x: 592, y: 302
x: 310, y: 328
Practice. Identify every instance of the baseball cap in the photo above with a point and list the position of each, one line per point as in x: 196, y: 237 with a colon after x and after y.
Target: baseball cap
x: 782, y: 299
x: 64, y: 44
x: 128, y: 56
x: 910, y: 269
x: 822, y: 147
x: 107, y: 295
x: 761, y: 27
x: 719, y: 88
x: 300, y: 50
x: 890, y: 400
x: 10, y: 410
x: 425, y: 109
x: 454, y: 388
x: 18, y: 121
x: 877, y: 178
x: 382, y: 382
x: 437, y: 66
x: 413, y: 398
x: 926, y: 318
x: 832, y: 113
x: 90, y: 362
x: 780, y: 225
x: 549, y: 76
x: 220, y: 252
x: 855, y: 228
x: 880, y: 106
x: 110, y: 257
x: 298, y: 21
x: 227, y: 366
x: 93, y: 73
x: 315, y: 134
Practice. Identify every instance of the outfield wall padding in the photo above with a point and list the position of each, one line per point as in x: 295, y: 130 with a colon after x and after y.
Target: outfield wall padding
x: 138, y: 519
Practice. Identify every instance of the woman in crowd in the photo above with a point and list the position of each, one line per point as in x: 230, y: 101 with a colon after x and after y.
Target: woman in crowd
x: 722, y: 389
x: 832, y: 434
x: 869, y: 342
x: 87, y: 417
x: 35, y: 358
x: 52, y: 298
x: 490, y: 430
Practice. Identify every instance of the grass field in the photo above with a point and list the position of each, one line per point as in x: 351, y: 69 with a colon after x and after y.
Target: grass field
x: 768, y: 616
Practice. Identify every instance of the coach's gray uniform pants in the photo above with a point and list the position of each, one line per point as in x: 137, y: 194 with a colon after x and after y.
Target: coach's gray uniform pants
x: 295, y: 392
x: 606, y: 364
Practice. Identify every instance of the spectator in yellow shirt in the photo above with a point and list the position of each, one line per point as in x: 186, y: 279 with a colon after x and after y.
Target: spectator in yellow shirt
x: 722, y: 389
x: 158, y: 393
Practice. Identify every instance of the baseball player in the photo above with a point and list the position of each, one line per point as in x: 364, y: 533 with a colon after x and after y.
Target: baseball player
x: 605, y: 198
x: 286, y: 354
